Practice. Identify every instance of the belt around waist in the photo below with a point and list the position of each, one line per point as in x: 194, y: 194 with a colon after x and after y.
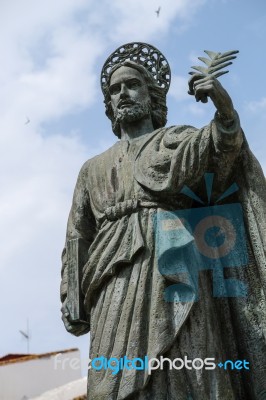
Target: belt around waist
x: 127, y: 207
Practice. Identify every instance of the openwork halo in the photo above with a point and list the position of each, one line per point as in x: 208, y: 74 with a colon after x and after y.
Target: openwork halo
x: 141, y: 53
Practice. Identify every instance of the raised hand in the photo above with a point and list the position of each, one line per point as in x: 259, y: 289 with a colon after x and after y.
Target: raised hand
x: 204, y: 83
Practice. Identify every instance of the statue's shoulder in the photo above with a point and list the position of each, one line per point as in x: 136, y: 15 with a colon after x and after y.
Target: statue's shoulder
x: 174, y: 130
x: 180, y: 129
x: 100, y: 159
x: 172, y: 135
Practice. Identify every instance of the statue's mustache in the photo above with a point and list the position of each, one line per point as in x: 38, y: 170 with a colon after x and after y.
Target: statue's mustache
x: 126, y: 102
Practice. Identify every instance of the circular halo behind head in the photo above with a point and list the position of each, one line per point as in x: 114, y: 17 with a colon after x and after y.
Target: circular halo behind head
x: 141, y: 53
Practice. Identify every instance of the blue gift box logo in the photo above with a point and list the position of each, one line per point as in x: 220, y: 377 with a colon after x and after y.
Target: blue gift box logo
x: 205, y: 238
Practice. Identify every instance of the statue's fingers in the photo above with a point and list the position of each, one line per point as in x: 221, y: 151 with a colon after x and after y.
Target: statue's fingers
x: 191, y: 82
x: 203, y: 88
x: 64, y: 310
x: 66, y: 323
x: 197, y: 81
x: 202, y: 92
x: 202, y: 97
x: 207, y: 80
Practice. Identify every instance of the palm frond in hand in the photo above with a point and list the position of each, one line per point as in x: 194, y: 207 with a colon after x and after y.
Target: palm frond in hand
x: 215, y: 63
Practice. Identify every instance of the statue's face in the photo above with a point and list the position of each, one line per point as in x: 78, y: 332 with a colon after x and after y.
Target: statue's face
x: 127, y: 88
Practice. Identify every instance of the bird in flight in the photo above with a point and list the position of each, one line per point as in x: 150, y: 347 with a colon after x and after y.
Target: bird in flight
x: 28, y: 121
x: 24, y: 334
x: 158, y: 11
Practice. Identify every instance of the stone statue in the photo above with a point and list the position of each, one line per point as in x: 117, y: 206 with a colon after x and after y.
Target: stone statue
x: 138, y: 273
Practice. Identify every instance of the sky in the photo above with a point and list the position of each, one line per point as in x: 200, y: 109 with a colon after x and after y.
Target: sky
x: 52, y: 119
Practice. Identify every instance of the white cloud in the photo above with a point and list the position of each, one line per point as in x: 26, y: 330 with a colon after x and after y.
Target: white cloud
x: 65, y: 81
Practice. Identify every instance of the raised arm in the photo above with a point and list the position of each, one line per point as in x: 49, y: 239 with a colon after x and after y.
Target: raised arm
x: 183, y: 154
x: 209, y: 87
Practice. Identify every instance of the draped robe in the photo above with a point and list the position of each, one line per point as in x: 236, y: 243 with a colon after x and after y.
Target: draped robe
x: 117, y: 197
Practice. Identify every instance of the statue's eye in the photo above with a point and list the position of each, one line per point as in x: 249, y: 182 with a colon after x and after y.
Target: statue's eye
x: 134, y: 84
x: 115, y: 89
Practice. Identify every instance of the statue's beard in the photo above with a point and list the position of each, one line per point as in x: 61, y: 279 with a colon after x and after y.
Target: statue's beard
x: 135, y: 112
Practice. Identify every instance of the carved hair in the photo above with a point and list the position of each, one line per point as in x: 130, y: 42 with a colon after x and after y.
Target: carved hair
x: 157, y: 95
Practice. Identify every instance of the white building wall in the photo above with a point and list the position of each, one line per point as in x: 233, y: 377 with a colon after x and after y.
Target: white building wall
x: 66, y: 392
x: 26, y: 379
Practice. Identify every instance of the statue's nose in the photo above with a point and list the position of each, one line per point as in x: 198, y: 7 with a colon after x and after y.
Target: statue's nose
x: 124, y: 91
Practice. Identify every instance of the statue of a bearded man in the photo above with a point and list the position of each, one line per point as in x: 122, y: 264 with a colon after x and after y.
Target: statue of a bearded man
x: 156, y: 266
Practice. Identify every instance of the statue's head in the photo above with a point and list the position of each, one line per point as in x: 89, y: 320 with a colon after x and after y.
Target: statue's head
x: 143, y: 75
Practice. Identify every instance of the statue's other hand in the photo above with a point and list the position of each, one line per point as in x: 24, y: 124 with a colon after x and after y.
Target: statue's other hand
x: 204, y: 86
x: 75, y: 327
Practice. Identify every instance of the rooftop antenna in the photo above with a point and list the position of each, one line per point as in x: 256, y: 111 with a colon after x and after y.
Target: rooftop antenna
x: 26, y: 335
